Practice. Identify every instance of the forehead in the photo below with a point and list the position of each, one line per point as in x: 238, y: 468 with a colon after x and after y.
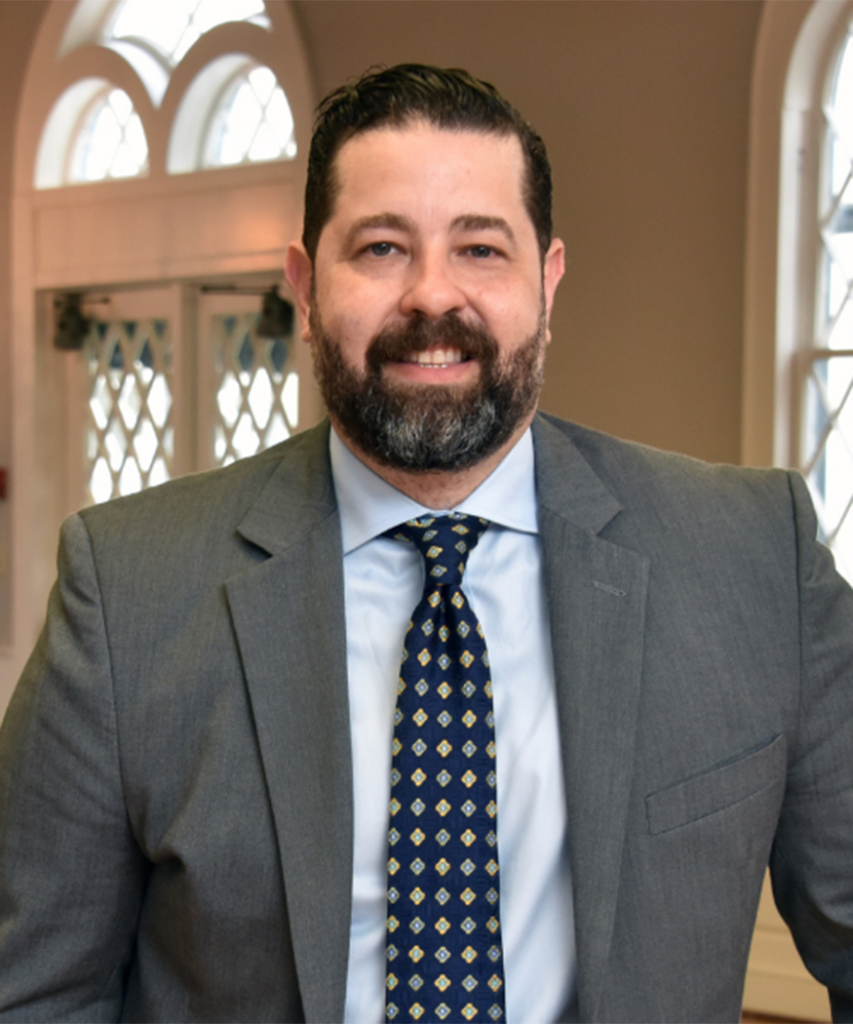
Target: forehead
x: 428, y: 167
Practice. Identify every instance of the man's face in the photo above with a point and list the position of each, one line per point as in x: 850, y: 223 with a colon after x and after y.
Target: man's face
x: 429, y: 300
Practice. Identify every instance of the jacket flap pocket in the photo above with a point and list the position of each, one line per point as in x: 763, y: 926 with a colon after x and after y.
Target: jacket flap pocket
x: 716, y: 789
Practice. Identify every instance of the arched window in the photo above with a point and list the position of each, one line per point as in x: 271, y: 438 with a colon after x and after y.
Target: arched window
x: 826, y: 372
x: 234, y: 111
x: 169, y: 30
x: 798, y: 369
x: 109, y: 142
x: 159, y: 165
x: 93, y: 133
x: 251, y: 122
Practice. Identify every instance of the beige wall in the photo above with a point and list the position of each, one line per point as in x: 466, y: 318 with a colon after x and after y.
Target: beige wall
x: 644, y: 107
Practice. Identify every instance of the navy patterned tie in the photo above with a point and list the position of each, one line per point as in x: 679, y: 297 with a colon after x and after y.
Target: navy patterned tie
x: 445, y: 960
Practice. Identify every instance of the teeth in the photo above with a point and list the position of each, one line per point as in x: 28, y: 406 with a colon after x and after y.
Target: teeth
x: 436, y: 357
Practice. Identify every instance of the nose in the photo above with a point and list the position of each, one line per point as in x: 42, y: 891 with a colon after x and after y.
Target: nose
x: 430, y: 288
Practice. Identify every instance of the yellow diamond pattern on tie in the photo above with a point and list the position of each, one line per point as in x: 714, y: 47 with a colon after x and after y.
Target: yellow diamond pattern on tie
x: 445, y: 961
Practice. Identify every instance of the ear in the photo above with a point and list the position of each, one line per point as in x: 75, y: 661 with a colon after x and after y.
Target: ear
x: 299, y: 272
x: 553, y: 268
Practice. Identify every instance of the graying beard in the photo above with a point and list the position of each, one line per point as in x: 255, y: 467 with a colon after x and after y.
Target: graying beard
x: 425, y: 439
x: 439, y: 429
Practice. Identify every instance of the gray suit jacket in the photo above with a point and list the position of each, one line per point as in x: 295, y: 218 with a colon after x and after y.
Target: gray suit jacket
x: 175, y: 776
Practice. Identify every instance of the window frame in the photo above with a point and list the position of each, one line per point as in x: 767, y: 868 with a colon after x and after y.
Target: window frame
x: 798, y: 50
x: 797, y: 46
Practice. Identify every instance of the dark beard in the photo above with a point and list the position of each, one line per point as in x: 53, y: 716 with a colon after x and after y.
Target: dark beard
x: 423, y: 428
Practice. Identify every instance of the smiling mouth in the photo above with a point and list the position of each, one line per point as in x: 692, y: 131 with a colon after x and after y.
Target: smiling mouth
x: 435, y: 357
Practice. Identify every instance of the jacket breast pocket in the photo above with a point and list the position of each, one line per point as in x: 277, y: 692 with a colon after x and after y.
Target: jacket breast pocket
x: 718, y: 788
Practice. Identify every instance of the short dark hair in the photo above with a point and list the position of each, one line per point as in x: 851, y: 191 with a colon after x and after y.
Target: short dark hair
x: 445, y: 97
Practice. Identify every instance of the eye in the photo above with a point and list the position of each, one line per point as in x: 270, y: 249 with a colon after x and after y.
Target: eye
x: 482, y: 252
x: 380, y: 248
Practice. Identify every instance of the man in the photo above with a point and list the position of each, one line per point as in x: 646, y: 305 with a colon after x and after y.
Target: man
x: 195, y: 770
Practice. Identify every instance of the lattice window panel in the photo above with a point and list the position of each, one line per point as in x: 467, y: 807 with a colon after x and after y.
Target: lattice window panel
x: 257, y: 389
x: 111, y: 143
x: 252, y: 123
x: 129, y: 434
x: 829, y: 451
x: 826, y: 452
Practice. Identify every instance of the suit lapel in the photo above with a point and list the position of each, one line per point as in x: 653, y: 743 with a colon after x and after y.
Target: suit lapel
x: 597, y: 593
x: 288, y: 613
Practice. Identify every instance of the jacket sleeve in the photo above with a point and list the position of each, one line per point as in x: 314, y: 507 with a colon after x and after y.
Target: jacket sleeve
x: 812, y: 858
x: 71, y: 875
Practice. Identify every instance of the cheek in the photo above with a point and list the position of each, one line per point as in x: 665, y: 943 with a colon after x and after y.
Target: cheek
x: 512, y: 327
x: 351, y: 334
x: 346, y: 305
x: 355, y: 326
x: 511, y: 310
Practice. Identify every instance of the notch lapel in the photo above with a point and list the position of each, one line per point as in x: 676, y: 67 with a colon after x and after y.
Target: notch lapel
x: 288, y: 614
x: 597, y: 594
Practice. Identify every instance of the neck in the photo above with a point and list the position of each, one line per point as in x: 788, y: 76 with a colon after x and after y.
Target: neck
x: 442, y: 489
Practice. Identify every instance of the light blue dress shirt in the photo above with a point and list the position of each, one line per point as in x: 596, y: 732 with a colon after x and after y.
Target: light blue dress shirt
x: 384, y: 579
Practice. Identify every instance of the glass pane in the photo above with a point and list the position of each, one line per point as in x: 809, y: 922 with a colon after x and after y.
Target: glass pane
x: 842, y: 98
x: 252, y: 123
x: 826, y: 454
x: 172, y: 28
x: 828, y: 450
x: 261, y: 398
x: 839, y: 167
x: 129, y: 437
x: 111, y: 143
x: 257, y: 391
x: 833, y: 328
x: 290, y: 396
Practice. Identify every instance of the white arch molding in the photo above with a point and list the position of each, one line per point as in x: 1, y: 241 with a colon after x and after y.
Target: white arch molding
x: 160, y: 230
x: 796, y: 45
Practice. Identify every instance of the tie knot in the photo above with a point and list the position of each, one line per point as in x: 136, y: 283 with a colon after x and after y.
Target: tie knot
x: 445, y: 543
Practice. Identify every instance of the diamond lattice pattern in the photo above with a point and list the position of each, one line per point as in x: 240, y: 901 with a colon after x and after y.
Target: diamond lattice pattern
x: 253, y: 123
x: 829, y: 449
x: 112, y: 143
x: 257, y: 399
x: 129, y: 435
x: 827, y: 436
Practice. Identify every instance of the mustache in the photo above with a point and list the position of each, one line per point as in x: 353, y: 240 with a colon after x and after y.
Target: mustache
x: 419, y: 334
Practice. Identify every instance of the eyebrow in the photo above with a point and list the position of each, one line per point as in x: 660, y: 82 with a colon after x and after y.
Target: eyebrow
x: 480, y: 222
x: 394, y: 221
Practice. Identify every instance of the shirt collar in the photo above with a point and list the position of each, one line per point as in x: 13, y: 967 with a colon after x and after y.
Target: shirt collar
x: 369, y: 505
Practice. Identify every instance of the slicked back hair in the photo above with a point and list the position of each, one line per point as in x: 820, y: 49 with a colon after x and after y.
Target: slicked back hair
x: 393, y: 97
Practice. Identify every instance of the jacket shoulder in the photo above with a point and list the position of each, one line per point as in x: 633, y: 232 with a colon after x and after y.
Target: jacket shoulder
x: 634, y: 472
x: 218, y: 500
x: 206, y: 525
